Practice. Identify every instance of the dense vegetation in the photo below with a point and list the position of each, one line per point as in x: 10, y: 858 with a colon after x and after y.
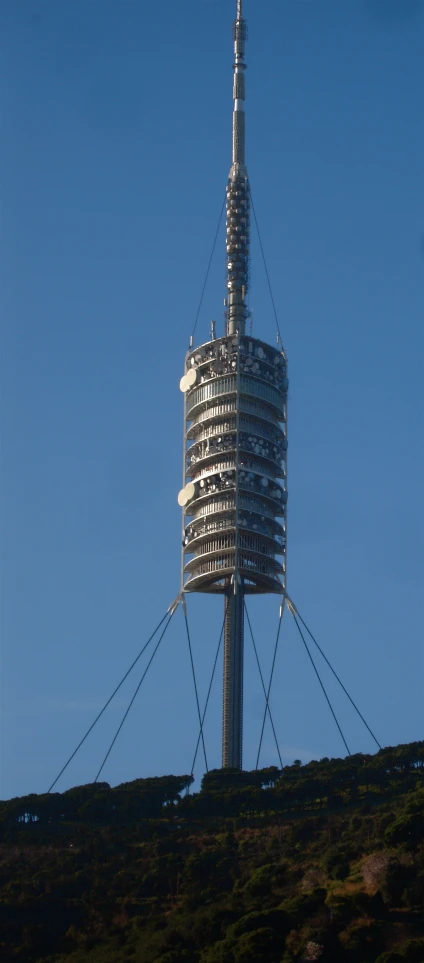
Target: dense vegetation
x: 318, y: 862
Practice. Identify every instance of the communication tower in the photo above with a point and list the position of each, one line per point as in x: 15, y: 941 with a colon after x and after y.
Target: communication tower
x: 234, y: 493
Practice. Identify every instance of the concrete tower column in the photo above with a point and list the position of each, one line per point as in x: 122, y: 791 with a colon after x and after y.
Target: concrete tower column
x: 232, y: 703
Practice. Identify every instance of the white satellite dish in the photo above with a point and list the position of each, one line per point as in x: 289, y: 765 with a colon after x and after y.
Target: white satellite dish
x: 182, y: 498
x: 191, y: 377
x: 190, y: 491
x: 183, y: 383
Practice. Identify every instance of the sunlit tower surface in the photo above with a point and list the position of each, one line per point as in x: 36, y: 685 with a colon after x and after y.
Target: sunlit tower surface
x: 234, y: 493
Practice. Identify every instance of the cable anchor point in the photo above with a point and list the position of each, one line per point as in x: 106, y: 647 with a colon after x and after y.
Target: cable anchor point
x: 291, y: 606
x: 174, y: 605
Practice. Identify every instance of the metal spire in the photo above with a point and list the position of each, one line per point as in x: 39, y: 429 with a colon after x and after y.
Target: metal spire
x: 237, y: 225
x: 239, y: 87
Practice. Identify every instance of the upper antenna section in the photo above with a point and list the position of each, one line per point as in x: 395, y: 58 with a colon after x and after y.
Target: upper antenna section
x: 237, y: 226
x: 240, y: 33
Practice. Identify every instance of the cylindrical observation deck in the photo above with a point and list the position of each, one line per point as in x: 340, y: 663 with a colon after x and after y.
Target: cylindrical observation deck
x: 234, y: 495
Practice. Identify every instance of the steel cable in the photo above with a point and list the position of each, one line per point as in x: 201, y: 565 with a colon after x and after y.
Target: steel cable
x: 109, y: 701
x: 135, y: 693
x: 207, y: 272
x: 321, y: 683
x: 263, y: 684
x: 210, y: 688
x: 339, y: 680
x: 270, y: 683
x: 266, y: 268
x: 195, y: 683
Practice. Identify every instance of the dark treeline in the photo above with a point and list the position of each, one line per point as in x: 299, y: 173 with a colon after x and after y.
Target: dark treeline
x: 323, y: 861
x: 327, y: 784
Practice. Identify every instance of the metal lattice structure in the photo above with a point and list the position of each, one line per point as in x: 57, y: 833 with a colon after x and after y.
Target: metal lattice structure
x: 234, y: 491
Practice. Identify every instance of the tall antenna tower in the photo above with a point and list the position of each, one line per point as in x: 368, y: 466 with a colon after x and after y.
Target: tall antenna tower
x: 234, y: 495
x: 235, y: 442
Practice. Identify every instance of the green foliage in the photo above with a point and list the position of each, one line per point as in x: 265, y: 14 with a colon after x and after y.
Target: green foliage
x: 408, y: 828
x: 174, y: 956
x: 397, y: 877
x: 206, y: 873
x: 336, y: 862
x: 220, y: 952
x: 263, y: 881
x: 303, y: 906
x: 412, y: 951
x: 275, y: 919
x: 323, y: 861
x: 258, y: 946
x: 389, y: 958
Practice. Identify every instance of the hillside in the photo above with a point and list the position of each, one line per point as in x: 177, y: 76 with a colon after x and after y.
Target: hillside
x: 317, y: 862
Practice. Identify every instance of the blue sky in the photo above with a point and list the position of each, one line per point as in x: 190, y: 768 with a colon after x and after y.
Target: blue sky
x: 116, y: 126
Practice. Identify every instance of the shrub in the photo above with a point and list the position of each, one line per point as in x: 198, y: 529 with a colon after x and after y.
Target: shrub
x: 396, y: 879
x: 259, y: 946
x: 389, y: 958
x: 336, y: 863
x: 413, y: 951
x: 407, y: 829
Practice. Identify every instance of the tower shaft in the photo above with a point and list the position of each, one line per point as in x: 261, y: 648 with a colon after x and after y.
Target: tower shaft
x: 232, y: 703
x: 237, y: 236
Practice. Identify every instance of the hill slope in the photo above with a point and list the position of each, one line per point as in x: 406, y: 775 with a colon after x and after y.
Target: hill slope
x: 319, y: 862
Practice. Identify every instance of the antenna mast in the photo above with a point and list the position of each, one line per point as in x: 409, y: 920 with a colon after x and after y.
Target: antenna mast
x: 237, y: 225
